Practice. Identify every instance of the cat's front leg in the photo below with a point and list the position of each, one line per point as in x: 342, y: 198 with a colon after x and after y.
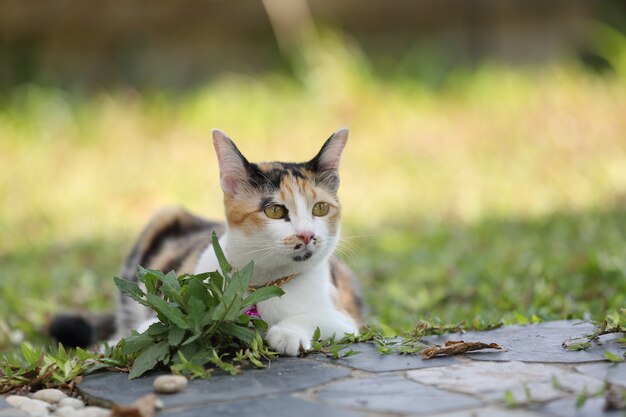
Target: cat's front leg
x: 292, y: 336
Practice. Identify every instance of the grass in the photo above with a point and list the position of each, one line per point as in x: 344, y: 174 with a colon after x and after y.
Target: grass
x: 500, y: 194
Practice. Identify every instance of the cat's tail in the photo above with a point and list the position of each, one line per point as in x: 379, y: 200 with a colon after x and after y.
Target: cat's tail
x: 82, y: 330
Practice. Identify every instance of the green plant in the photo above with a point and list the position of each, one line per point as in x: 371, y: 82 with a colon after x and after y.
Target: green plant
x: 614, y: 322
x: 35, y: 368
x: 202, y: 320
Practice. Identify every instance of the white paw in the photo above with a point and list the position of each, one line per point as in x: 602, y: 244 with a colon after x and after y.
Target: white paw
x: 288, y: 340
x: 339, y: 328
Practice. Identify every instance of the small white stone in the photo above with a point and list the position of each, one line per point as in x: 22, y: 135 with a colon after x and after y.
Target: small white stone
x: 51, y: 396
x: 71, y: 402
x: 94, y: 412
x: 17, y: 400
x: 65, y: 411
x: 35, y: 408
x: 28, y: 405
x: 169, y: 384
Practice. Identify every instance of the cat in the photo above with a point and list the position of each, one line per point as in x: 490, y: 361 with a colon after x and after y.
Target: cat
x: 283, y: 216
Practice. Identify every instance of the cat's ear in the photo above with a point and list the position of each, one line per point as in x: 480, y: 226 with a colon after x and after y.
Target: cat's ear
x: 327, y: 160
x: 233, y: 165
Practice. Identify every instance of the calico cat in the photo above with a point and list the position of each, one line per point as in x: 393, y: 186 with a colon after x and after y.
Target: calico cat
x: 283, y: 216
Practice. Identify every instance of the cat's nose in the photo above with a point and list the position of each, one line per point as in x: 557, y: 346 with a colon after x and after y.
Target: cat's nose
x: 306, y: 236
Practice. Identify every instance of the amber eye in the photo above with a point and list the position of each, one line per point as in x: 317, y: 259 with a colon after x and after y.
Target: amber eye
x: 274, y: 211
x: 320, y: 209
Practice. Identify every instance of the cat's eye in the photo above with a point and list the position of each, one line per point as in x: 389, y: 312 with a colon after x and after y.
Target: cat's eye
x: 275, y: 211
x: 320, y: 209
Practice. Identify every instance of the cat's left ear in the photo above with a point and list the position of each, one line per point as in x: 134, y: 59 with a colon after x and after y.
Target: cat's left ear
x: 327, y: 160
x: 234, y: 167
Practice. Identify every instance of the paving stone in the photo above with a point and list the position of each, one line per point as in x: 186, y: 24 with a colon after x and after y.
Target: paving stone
x: 537, y: 343
x: 615, y: 373
x: 283, y: 406
x: 370, y: 360
x: 282, y: 376
x: 593, y: 407
x: 493, y: 411
x: 392, y: 394
x: 490, y: 380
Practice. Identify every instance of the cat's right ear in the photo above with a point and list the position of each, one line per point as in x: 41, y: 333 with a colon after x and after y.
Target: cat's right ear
x: 233, y: 165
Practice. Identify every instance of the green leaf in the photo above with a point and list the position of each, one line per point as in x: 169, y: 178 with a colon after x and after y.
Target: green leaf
x: 171, y: 288
x: 242, y: 277
x: 578, y: 346
x: 613, y: 357
x: 260, y: 324
x: 196, y: 288
x: 148, y: 359
x: 509, y: 398
x: 316, y: 334
x: 157, y: 329
x: 263, y: 294
x: 218, y: 280
x: 168, y: 310
x: 131, y: 289
x: 196, y: 310
x: 244, y: 334
x: 31, y: 354
x: 192, y: 339
x: 221, y: 258
x: 150, y: 279
x: 136, y: 343
x: 175, y: 336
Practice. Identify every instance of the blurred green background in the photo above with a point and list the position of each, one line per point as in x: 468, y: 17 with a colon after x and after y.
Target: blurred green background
x: 484, y: 180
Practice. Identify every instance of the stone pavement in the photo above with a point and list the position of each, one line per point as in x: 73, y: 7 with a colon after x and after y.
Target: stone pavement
x: 534, y: 372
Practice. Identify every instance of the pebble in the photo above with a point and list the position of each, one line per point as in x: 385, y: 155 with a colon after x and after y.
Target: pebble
x: 71, y: 402
x: 66, y: 406
x: 17, y: 400
x: 31, y: 406
x: 65, y: 411
x: 51, y: 396
x: 94, y: 412
x: 169, y: 384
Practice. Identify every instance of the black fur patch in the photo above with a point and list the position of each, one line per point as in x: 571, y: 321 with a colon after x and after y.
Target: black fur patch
x: 71, y: 331
x: 302, y: 258
x: 270, y: 180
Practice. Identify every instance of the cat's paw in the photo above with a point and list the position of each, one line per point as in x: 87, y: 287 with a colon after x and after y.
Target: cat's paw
x: 288, y: 340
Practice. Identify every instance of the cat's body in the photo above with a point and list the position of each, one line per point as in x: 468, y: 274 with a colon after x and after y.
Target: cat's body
x: 283, y: 216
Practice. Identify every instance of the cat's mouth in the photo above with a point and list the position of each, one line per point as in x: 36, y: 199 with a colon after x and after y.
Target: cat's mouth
x: 303, y: 257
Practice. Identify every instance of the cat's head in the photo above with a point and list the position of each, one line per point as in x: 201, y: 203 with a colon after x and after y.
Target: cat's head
x: 282, y: 214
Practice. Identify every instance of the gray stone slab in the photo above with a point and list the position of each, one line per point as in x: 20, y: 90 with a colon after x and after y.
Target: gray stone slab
x: 4, y: 404
x: 392, y: 394
x: 284, y: 406
x: 494, y: 411
x: 593, y: 407
x: 615, y: 373
x: 491, y: 380
x: 282, y: 376
x: 370, y: 360
x: 537, y: 343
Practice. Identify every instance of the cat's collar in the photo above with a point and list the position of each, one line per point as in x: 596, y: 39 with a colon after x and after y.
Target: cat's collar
x: 278, y: 282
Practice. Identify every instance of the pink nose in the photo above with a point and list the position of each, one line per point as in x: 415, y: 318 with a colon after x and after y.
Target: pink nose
x: 306, y: 236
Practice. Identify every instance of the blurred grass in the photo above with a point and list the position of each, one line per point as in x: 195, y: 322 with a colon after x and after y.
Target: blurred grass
x: 500, y: 193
